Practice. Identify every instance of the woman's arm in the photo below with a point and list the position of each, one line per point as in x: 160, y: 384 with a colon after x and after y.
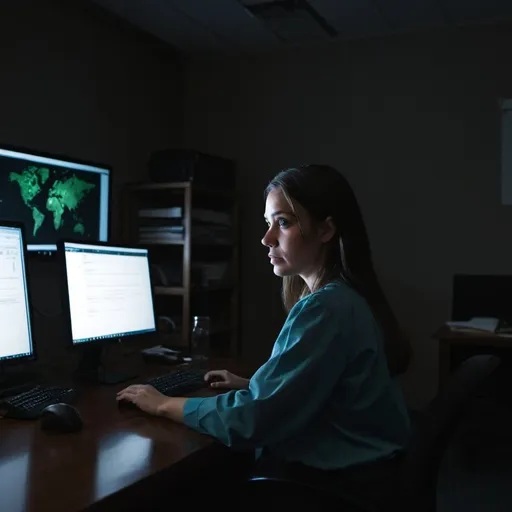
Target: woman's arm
x: 308, y: 358
x: 152, y: 401
x: 172, y: 408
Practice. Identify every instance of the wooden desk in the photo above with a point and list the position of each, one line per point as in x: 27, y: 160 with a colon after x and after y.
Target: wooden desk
x: 119, y: 461
x: 455, y: 346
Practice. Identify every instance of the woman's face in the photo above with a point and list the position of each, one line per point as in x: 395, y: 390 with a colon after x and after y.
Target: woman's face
x: 292, y: 250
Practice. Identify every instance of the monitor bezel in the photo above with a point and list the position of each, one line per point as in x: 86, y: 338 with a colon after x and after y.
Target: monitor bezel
x: 65, y: 292
x: 38, y: 248
x: 31, y: 357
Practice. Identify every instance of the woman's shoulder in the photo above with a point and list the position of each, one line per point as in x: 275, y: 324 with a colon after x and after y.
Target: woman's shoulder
x: 335, y: 296
x: 337, y: 292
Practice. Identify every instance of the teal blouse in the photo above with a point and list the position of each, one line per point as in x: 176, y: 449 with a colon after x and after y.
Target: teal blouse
x: 324, y: 398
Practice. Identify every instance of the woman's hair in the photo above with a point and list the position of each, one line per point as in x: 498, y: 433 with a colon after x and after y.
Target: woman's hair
x: 323, y: 192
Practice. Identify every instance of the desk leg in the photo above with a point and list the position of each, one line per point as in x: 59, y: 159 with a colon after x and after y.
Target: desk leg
x: 444, y: 363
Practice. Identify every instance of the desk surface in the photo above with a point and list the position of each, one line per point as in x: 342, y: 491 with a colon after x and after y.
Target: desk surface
x: 116, y: 449
x: 445, y: 334
x: 465, y: 344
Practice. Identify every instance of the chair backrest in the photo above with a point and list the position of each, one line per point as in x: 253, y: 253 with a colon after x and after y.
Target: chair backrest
x: 432, y: 434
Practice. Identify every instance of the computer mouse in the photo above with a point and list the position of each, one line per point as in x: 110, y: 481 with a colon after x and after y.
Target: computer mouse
x: 61, y: 418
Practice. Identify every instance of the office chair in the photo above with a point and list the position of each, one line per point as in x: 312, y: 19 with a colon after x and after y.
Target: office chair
x: 414, y: 485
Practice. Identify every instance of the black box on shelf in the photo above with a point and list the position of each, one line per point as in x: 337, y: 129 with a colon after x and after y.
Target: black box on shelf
x: 173, y: 165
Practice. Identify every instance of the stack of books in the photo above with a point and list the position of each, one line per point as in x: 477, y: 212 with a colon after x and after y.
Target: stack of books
x: 161, y: 225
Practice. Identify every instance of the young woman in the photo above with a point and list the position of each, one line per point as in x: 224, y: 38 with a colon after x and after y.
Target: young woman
x: 326, y: 397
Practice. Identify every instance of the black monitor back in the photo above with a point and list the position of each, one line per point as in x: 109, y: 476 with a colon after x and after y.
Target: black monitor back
x: 482, y: 295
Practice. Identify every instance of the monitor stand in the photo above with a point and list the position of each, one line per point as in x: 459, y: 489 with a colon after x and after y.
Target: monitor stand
x: 91, y: 368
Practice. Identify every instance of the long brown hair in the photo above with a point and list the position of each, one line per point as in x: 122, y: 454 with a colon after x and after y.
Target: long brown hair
x: 323, y: 192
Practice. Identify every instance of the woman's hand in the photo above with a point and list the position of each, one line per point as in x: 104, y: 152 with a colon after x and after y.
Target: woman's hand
x: 225, y: 379
x: 145, y: 397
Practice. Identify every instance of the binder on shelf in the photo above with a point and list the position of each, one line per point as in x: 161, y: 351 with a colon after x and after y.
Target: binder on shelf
x: 161, y: 239
x: 161, y: 230
x: 170, y: 213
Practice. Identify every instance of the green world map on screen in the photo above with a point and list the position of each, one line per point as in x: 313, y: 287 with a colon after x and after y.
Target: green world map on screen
x: 64, y: 194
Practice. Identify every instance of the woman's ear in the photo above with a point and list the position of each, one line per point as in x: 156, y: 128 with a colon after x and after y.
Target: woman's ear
x: 327, y: 230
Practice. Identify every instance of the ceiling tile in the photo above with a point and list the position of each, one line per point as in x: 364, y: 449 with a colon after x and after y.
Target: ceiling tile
x: 297, y: 23
x: 297, y: 27
x: 253, y: 2
x: 217, y: 25
x: 229, y: 20
x: 352, y: 18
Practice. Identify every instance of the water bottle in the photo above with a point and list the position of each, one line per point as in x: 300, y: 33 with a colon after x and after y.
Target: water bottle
x: 201, y: 338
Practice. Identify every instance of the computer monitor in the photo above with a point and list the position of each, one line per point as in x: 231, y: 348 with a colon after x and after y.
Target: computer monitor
x: 15, y: 315
x: 482, y: 295
x: 54, y: 197
x: 109, y: 297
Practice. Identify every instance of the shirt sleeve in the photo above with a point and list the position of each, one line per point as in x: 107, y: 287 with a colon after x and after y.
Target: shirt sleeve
x: 287, y: 392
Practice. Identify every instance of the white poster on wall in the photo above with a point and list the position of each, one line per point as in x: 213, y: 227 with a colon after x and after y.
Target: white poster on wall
x: 506, y: 152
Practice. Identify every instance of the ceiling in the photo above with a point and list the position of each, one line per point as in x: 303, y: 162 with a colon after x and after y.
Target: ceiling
x: 205, y: 26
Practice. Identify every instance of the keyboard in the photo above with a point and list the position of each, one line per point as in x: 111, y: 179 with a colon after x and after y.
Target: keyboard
x: 30, y: 404
x: 179, y: 382
x: 16, y: 390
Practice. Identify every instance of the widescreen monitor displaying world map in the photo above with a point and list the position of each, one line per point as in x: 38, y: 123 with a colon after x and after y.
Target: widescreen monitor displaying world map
x: 55, y: 198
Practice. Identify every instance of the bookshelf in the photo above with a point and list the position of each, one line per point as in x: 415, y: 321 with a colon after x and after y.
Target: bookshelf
x: 178, y: 222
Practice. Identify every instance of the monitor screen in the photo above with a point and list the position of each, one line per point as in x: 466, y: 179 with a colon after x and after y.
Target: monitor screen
x: 109, y: 291
x: 482, y: 295
x: 16, y: 332
x: 54, y: 198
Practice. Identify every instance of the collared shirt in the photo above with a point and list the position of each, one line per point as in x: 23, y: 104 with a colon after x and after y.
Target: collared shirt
x: 324, y: 397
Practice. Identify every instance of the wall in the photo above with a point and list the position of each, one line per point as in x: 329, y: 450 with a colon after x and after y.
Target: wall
x: 412, y: 121
x: 74, y: 81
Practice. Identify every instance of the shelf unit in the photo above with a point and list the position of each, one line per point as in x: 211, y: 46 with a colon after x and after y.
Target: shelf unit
x: 187, y: 195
